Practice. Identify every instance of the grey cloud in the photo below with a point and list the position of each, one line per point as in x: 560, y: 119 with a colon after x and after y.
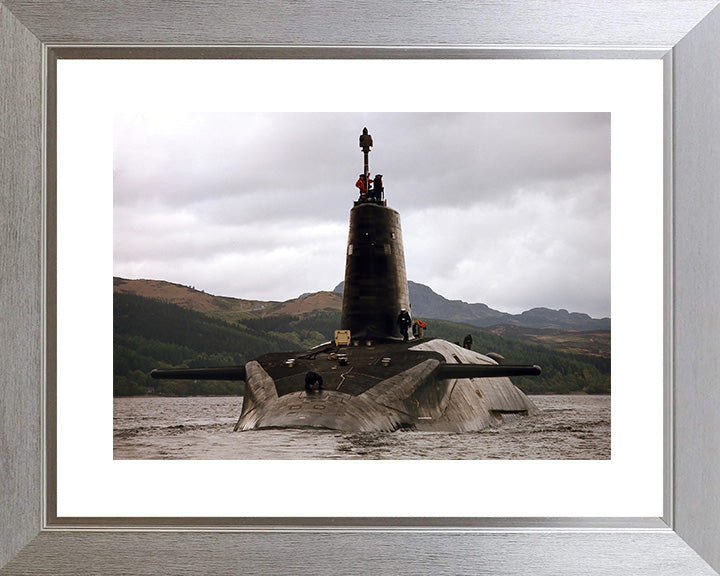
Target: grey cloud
x: 199, y: 195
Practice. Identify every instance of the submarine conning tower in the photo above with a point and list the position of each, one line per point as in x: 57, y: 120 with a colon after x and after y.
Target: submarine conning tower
x: 376, y: 286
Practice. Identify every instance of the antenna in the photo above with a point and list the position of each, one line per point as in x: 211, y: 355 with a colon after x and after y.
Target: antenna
x: 366, y: 143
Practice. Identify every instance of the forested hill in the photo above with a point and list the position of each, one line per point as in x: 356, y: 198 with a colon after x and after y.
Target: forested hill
x: 199, y: 300
x: 424, y: 301
x: 151, y: 333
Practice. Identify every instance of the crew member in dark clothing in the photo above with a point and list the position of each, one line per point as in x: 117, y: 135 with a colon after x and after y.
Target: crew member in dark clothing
x: 467, y: 343
x: 404, y: 322
x: 312, y: 378
x: 377, y: 191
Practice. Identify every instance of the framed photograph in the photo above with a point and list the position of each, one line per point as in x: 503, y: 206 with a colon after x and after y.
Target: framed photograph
x: 548, y: 153
x: 660, y: 517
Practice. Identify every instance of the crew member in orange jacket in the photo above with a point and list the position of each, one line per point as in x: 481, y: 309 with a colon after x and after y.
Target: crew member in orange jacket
x: 362, y: 184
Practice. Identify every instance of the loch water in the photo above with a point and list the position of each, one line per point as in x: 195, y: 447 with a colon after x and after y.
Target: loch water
x: 201, y: 428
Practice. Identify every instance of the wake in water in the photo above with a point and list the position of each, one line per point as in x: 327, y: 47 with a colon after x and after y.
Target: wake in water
x: 200, y: 428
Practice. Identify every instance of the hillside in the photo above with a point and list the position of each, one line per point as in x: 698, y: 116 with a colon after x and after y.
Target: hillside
x: 160, y: 325
x: 150, y: 333
x: 187, y: 297
x: 590, y: 342
x: 428, y: 304
x: 200, y: 301
x: 309, y: 303
x: 425, y: 304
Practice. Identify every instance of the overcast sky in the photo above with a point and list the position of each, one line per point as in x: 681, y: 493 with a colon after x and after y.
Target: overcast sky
x: 508, y: 209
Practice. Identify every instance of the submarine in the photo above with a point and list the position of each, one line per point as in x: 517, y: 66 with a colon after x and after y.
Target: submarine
x: 375, y: 376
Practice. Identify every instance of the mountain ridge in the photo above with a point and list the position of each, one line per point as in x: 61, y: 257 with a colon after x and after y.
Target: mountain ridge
x: 426, y: 303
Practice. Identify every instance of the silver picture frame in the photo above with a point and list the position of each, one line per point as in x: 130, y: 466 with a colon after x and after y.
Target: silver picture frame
x: 684, y: 34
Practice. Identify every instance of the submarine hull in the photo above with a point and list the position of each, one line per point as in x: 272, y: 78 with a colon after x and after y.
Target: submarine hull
x: 378, y: 388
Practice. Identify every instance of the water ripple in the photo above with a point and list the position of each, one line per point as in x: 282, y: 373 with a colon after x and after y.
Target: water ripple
x: 567, y: 428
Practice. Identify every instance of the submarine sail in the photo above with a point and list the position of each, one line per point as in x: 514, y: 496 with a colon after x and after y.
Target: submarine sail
x: 376, y: 287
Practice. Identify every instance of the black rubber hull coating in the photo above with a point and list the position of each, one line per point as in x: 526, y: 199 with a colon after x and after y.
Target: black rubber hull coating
x: 376, y: 286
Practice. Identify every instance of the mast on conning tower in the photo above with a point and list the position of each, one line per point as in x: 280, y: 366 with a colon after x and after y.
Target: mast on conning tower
x: 366, y: 143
